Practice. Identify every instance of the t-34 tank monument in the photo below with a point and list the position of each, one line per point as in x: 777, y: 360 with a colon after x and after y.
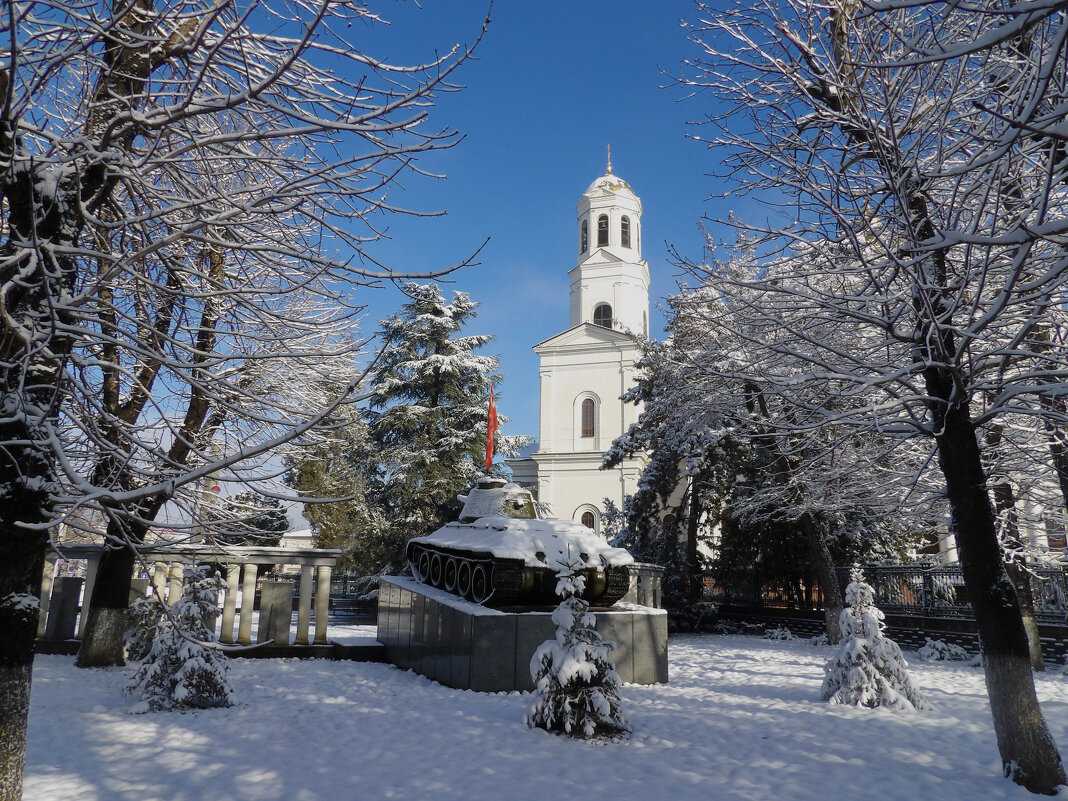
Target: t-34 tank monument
x: 483, y: 589
x: 500, y: 553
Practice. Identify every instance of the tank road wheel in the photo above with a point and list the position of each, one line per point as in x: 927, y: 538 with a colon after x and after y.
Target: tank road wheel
x: 480, y: 583
x: 422, y: 569
x: 436, y: 569
x: 463, y: 579
x: 449, y: 576
x: 424, y: 566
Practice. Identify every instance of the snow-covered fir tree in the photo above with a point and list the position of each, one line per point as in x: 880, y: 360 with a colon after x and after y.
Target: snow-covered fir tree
x: 577, y: 687
x: 427, y: 420
x: 181, y: 670
x: 868, y: 668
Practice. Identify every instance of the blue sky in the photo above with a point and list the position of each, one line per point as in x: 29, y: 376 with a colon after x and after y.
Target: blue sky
x: 553, y: 84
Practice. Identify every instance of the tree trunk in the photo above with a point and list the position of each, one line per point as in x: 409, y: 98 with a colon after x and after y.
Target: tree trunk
x: 1005, y: 510
x: 31, y: 364
x: 102, y: 642
x: 32, y: 359
x: 22, y: 556
x: 1021, y: 581
x: 1005, y: 505
x: 23, y: 476
x: 820, y: 554
x: 1028, y: 753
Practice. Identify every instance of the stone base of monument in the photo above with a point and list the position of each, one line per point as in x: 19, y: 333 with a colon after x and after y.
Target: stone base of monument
x: 471, y: 647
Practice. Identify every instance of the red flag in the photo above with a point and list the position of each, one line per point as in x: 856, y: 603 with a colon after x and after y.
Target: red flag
x: 491, y: 428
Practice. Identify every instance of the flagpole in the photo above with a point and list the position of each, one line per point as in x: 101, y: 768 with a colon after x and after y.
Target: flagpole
x: 491, y: 429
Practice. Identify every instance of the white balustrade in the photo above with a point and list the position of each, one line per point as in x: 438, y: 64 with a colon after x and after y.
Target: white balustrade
x: 168, y: 564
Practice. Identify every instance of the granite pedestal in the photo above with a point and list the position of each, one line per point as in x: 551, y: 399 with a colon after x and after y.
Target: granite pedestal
x: 471, y: 647
x: 276, y: 612
x: 63, y: 611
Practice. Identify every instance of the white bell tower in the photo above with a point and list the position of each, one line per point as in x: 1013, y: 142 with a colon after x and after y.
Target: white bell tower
x: 610, y: 283
x: 586, y: 369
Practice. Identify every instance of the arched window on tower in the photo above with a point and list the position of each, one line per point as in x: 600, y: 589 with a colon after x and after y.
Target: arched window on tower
x: 602, y: 315
x: 584, y: 236
x: 602, y: 231
x: 588, y: 418
x: 589, y: 521
x: 624, y: 232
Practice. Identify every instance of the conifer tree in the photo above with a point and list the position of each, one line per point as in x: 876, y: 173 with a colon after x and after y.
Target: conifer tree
x: 143, y: 618
x: 251, y: 519
x: 427, y: 418
x: 339, y: 467
x: 577, y: 687
x: 868, y: 668
x: 181, y: 670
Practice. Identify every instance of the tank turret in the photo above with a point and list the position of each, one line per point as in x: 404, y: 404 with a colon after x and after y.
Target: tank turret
x: 493, y: 496
x: 500, y: 553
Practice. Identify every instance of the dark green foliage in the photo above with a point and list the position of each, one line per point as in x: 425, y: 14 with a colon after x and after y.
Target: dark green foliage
x: 251, y: 519
x: 399, y: 464
x: 340, y: 468
x: 144, y: 616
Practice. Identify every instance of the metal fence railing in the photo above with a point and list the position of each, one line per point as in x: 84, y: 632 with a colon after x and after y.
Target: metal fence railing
x: 343, y: 585
x: 923, y: 591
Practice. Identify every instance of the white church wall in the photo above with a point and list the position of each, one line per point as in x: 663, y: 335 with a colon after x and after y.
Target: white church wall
x: 567, y: 379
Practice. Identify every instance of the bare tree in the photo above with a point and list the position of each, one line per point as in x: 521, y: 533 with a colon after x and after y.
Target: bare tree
x: 928, y: 199
x: 188, y: 193
x: 710, y: 422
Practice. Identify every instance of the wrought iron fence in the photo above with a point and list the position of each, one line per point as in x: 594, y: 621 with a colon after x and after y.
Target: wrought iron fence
x: 921, y: 591
x: 344, y: 585
x: 940, y: 592
x: 1050, y: 591
x: 924, y: 591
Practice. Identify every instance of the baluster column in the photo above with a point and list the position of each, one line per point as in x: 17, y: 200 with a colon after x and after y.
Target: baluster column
x: 322, y: 604
x: 248, y: 601
x: 233, y: 573
x: 92, y: 564
x: 304, y: 605
x: 174, y: 585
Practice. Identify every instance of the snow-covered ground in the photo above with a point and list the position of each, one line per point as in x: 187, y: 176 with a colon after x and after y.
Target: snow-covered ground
x: 740, y: 720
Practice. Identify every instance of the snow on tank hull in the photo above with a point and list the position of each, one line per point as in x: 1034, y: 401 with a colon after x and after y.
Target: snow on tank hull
x: 504, y: 561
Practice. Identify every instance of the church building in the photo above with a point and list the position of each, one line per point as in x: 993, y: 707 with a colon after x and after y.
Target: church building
x: 585, y: 369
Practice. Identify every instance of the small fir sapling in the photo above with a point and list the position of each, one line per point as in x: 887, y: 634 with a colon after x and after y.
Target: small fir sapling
x: 181, y: 670
x: 577, y: 687
x: 868, y: 668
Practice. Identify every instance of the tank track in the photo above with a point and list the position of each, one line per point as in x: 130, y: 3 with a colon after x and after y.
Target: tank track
x: 469, y: 576
x: 484, y: 580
